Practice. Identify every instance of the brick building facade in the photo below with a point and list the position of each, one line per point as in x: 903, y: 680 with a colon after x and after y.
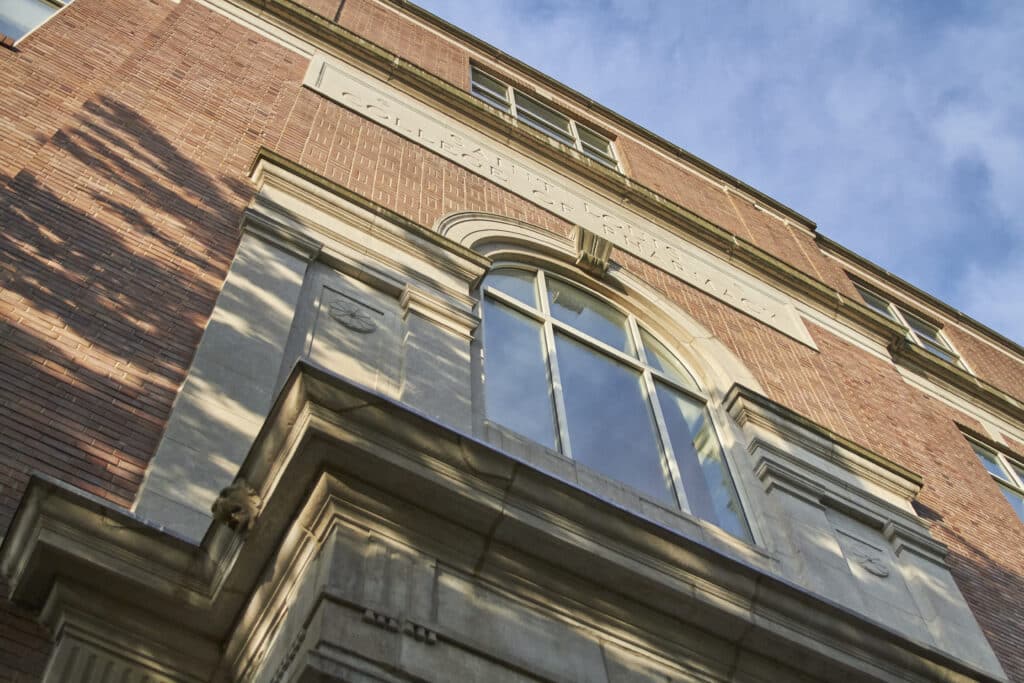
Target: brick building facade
x: 250, y: 241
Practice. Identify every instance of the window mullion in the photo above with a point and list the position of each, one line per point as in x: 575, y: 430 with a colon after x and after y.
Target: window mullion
x: 577, y: 143
x: 513, y: 303
x: 634, y: 331
x: 552, y: 359
x: 556, y: 384
x: 542, y: 294
x: 513, y: 107
x: 903, y: 321
x: 599, y: 346
x: 1013, y: 477
x: 650, y: 390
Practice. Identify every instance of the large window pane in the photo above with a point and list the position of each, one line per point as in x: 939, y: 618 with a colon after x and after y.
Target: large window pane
x: 517, y: 386
x: 706, y: 480
x: 575, y: 307
x: 18, y: 17
x: 611, y: 427
x: 544, y: 118
x: 518, y: 284
x: 1016, y: 500
x: 490, y: 89
x: 990, y: 461
x: 879, y: 304
x: 661, y: 359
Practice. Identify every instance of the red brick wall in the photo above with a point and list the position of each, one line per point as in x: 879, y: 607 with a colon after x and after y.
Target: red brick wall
x: 993, y: 365
x: 863, y: 398
x: 426, y: 49
x: 381, y: 22
x: 123, y: 160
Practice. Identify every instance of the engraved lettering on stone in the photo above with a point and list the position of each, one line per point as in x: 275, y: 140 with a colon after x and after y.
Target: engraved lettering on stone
x: 352, y: 316
x: 411, y: 120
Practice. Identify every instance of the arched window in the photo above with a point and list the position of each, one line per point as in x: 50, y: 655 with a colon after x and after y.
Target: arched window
x: 572, y: 372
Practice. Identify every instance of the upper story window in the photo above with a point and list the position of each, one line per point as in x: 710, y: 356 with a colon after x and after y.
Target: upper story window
x: 921, y: 332
x: 538, y: 115
x: 18, y: 18
x: 568, y: 370
x: 1009, y: 473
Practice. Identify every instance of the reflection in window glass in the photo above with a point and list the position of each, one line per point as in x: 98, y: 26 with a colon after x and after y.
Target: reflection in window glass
x: 661, y: 359
x: 877, y: 303
x: 604, y: 413
x: 591, y: 316
x: 611, y: 427
x: 1016, y: 500
x: 517, y: 388
x: 989, y: 460
x: 706, y: 480
x: 18, y: 17
x: 519, y: 284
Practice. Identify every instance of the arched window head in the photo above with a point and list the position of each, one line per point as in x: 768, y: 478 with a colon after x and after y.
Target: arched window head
x: 572, y: 372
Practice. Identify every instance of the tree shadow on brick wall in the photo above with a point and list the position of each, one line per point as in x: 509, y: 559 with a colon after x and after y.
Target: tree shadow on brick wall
x: 114, y: 246
x: 990, y: 587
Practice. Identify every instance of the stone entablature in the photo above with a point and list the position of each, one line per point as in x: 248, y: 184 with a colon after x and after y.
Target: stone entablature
x: 537, y: 183
x: 391, y: 548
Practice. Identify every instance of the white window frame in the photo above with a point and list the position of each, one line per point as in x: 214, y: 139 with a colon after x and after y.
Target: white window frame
x: 509, y: 99
x: 886, y: 307
x: 542, y: 314
x: 58, y: 7
x: 1012, y: 477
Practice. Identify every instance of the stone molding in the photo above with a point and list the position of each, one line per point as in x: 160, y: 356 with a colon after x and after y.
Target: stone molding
x: 440, y: 312
x: 333, y: 458
x: 749, y: 407
x: 281, y: 235
x: 826, y: 470
x: 311, y: 209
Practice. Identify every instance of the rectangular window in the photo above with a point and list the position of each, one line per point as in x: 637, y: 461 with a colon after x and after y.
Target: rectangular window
x: 920, y: 331
x: 18, y: 18
x: 1008, y: 473
x: 540, y: 116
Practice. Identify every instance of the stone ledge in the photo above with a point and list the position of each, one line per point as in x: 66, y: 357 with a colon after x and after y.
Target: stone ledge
x: 329, y: 445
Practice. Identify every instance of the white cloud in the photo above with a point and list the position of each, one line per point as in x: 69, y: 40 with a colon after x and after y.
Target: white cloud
x: 898, y: 128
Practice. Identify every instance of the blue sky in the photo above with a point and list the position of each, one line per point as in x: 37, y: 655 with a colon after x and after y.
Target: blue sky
x: 897, y: 126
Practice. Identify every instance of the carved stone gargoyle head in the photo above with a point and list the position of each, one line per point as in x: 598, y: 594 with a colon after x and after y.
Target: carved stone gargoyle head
x: 237, y: 506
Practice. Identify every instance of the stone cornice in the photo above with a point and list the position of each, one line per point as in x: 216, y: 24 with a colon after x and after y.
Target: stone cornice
x: 589, y: 104
x: 917, y: 359
x: 915, y: 293
x: 324, y: 429
x: 747, y: 405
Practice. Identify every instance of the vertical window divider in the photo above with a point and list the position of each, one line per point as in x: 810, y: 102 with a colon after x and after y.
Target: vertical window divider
x: 552, y: 360
x: 577, y: 142
x: 651, y: 394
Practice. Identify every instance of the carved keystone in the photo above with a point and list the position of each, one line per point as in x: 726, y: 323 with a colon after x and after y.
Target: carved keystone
x: 592, y: 252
